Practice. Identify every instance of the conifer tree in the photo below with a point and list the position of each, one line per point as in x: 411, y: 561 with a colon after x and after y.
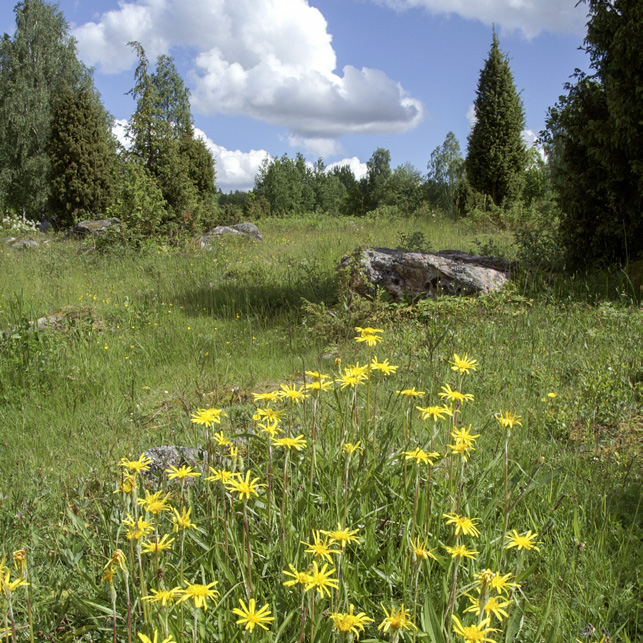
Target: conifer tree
x: 82, y: 154
x: 163, y: 140
x: 496, y: 155
x: 594, y: 140
x: 34, y: 65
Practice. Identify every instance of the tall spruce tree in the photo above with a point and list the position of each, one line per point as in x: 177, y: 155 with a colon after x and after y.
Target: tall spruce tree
x: 594, y: 141
x: 35, y: 63
x: 82, y: 154
x: 496, y: 156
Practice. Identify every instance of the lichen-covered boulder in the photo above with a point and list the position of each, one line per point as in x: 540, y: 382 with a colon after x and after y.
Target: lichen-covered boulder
x: 421, y: 274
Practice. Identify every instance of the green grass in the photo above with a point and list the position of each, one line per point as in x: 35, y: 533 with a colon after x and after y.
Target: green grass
x: 146, y: 338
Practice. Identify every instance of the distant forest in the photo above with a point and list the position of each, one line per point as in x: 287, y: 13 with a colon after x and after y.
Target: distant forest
x: 60, y: 162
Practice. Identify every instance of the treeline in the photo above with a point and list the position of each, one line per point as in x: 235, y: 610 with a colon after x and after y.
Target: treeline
x: 59, y: 160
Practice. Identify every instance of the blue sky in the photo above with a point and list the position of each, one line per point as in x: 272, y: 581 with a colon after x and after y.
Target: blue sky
x: 329, y: 78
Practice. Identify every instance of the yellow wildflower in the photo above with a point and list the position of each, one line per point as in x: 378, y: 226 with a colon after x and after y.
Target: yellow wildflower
x: 250, y: 617
x: 463, y: 364
x: 524, y: 541
x: 396, y: 619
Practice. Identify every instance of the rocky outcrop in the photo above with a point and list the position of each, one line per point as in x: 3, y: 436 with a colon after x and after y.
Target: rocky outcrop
x: 86, y: 228
x: 240, y: 229
x: 421, y: 275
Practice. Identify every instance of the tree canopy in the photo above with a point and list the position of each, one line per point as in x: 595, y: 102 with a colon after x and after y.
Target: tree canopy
x: 593, y: 138
x: 35, y: 64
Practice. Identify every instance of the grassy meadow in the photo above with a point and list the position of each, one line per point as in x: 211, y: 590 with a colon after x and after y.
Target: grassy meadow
x: 337, y: 509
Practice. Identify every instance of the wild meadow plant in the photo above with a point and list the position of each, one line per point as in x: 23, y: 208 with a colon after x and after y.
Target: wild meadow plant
x: 323, y: 519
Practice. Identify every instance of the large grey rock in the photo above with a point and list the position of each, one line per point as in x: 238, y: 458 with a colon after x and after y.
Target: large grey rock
x: 85, y: 228
x: 421, y: 275
x: 244, y: 229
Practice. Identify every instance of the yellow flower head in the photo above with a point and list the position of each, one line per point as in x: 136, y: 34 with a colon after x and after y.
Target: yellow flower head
x: 155, y: 503
x: 320, y: 547
x: 291, y: 393
x: 464, y: 436
x: 117, y: 559
x: 20, y: 560
x: 494, y: 606
x: 198, y: 593
x: 316, y: 375
x: 270, y: 414
x: 297, y: 443
x: 182, y: 520
x: 142, y: 464
x: 208, y: 417
x: 369, y: 330
x: 163, y: 596
x: 267, y: 397
x: 396, y: 619
x: 271, y: 427
x: 410, y: 392
x: 463, y: 364
x: 473, y: 633
x: 383, y: 367
x: 369, y: 340
x: 319, y: 579
x: 346, y: 622
x: 463, y: 524
x: 349, y: 447
x: 244, y: 487
x: 434, y: 412
x: 453, y: 395
x: 460, y: 551
x: 342, y: 536
x: 147, y: 639
x: 350, y: 380
x: 182, y: 472
x: 298, y: 578
x: 222, y: 475
x: 128, y: 483
x: 421, y: 456
x: 137, y: 529
x: 318, y: 385
x: 155, y: 546
x: 420, y: 549
x: 250, y: 617
x: 524, y: 541
x: 221, y: 440
x: 508, y: 420
x: 462, y: 449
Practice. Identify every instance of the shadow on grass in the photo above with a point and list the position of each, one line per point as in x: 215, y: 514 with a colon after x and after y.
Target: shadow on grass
x: 267, y: 300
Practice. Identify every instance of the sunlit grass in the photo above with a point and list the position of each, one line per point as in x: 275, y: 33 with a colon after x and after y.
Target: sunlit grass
x: 146, y: 339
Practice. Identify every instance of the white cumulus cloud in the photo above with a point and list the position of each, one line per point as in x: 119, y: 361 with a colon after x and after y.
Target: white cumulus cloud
x: 236, y: 170
x: 359, y: 169
x: 531, y: 17
x: 271, y: 60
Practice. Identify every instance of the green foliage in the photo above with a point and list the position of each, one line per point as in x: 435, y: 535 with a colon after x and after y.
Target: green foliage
x: 82, y: 151
x: 594, y: 140
x: 377, y: 174
x: 163, y: 140
x: 142, y: 208
x: 35, y: 64
x: 496, y: 156
x: 403, y: 189
x: 446, y: 169
x: 413, y: 241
